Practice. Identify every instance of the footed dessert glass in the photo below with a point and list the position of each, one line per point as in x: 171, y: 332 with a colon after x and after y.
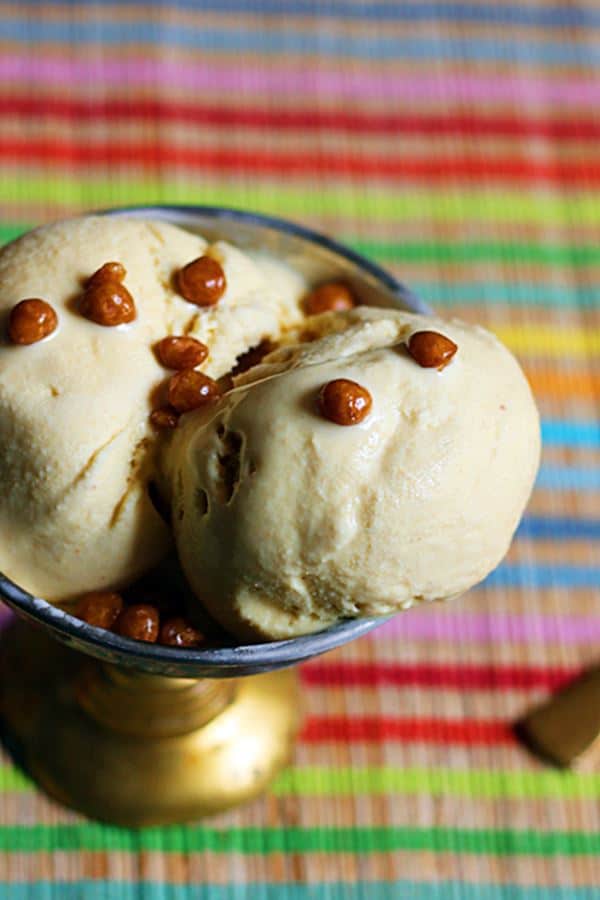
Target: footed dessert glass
x: 137, y: 734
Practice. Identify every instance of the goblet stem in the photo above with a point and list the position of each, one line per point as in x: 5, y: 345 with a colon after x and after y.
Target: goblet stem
x: 136, y: 749
x: 151, y: 706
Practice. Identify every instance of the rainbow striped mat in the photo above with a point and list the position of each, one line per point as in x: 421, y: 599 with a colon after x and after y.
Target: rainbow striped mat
x: 457, y: 143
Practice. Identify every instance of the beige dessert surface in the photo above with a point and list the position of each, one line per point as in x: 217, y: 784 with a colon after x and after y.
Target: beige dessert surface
x: 285, y: 521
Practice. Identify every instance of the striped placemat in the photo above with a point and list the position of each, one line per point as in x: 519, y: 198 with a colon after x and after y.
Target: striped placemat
x: 457, y: 143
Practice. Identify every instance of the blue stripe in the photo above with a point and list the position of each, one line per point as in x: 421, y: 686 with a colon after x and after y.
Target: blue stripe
x: 568, y: 478
x: 559, y: 528
x: 534, y: 576
x: 292, y: 41
x: 521, y: 293
x: 560, y: 432
x: 557, y: 16
x: 380, y: 890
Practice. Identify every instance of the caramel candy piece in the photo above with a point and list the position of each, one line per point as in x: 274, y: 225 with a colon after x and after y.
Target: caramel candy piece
x: 110, y: 271
x: 344, y: 402
x: 164, y: 418
x: 333, y: 296
x: 99, y: 608
x: 107, y: 303
x: 31, y: 321
x: 431, y: 349
x: 202, y: 281
x: 190, y: 389
x: 179, y: 633
x: 181, y: 352
x: 139, y: 622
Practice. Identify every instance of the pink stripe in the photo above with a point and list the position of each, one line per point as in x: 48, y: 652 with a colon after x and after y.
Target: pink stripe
x: 432, y: 625
x: 290, y: 79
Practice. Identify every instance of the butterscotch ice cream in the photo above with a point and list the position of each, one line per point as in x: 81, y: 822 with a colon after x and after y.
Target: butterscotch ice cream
x: 77, y: 450
x: 374, y: 461
x: 288, y: 515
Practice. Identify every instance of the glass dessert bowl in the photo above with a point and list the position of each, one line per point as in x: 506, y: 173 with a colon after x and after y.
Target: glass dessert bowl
x: 143, y: 733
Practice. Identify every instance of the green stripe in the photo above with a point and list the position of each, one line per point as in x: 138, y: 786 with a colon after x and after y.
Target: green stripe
x: 433, y: 251
x: 467, y: 292
x: 476, y: 784
x: 199, y: 839
x: 12, y: 779
x: 534, y: 207
x: 485, y: 251
x: 9, y: 231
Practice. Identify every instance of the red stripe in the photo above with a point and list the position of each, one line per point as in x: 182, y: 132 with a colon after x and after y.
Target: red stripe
x: 305, y: 163
x: 290, y: 119
x: 321, y: 729
x: 435, y: 675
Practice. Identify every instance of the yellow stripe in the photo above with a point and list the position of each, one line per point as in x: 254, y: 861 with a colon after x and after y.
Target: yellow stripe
x: 546, y: 341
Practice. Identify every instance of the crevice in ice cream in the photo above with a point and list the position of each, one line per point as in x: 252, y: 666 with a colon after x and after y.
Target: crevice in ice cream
x: 230, y: 460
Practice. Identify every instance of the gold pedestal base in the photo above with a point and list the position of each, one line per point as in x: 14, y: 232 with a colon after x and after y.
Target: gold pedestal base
x: 135, y: 749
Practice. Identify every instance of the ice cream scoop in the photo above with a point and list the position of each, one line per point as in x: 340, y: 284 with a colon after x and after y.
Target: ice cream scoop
x: 78, y: 378
x: 287, y: 520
